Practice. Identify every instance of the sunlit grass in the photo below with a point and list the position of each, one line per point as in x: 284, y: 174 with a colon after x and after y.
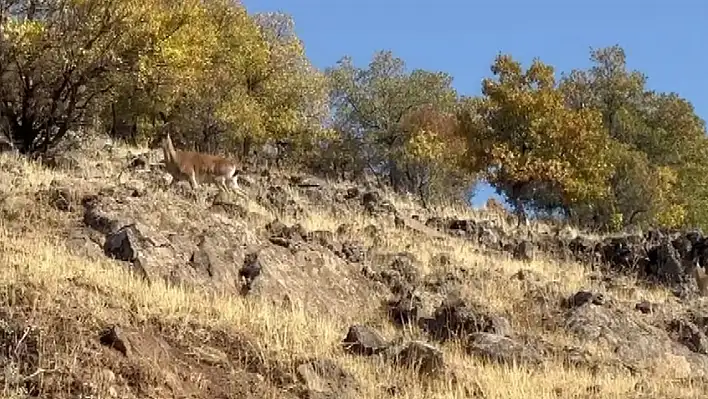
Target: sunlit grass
x: 41, y: 276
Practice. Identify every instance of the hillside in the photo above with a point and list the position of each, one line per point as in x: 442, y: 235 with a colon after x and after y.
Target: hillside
x: 118, y: 287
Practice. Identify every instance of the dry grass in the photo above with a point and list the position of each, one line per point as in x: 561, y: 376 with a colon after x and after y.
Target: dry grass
x: 45, y: 265
x: 41, y: 278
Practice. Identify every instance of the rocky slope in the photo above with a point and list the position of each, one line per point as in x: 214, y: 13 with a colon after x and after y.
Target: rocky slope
x: 115, y: 286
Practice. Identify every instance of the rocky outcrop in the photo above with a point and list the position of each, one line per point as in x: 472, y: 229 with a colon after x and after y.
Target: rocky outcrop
x: 664, y: 257
x: 209, y: 250
x: 265, y: 251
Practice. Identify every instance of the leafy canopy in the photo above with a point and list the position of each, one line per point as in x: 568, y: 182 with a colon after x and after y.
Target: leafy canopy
x: 530, y: 144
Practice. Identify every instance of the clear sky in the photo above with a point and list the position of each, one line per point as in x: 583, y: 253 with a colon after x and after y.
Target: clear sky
x: 663, y: 39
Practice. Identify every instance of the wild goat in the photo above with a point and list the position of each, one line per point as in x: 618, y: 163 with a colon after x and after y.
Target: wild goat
x: 197, y: 167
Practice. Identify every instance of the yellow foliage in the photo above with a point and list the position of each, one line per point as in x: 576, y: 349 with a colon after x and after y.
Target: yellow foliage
x: 669, y: 212
x: 22, y: 33
x: 616, y: 221
x: 432, y: 137
x: 216, y: 68
x: 528, y: 134
x: 672, y: 217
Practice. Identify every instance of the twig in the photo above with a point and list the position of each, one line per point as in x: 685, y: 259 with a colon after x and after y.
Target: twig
x: 38, y: 372
x: 24, y: 336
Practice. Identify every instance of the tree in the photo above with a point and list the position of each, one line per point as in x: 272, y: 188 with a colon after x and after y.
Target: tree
x: 59, y: 59
x: 227, y: 80
x: 399, y: 119
x: 433, y: 154
x: 656, y: 140
x: 292, y: 93
x: 533, y: 148
x: 197, y: 78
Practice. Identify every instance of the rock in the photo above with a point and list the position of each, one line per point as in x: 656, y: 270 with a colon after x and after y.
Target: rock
x: 645, y: 307
x: 318, y: 280
x: 623, y: 253
x: 689, y: 335
x: 453, y: 319
x: 352, y: 192
x: 501, y: 349
x: 662, y: 257
x: 400, y: 271
x: 126, y: 244
x: 580, y: 298
x: 524, y: 250
x: 323, y: 238
x: 285, y: 236
x: 250, y: 269
x: 324, y: 379
x: 112, y: 338
x: 352, y: 252
x: 206, y: 258
x: 363, y: 340
x: 636, y: 344
x: 424, y: 357
x: 405, y: 309
x: 208, y: 251
x: 99, y: 221
x: 370, y: 200
x: 665, y: 263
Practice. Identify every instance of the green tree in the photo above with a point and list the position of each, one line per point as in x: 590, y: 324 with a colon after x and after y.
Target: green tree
x: 396, y: 118
x: 657, y: 137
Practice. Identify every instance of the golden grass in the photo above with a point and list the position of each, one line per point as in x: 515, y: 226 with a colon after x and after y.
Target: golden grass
x: 37, y: 261
x: 46, y: 265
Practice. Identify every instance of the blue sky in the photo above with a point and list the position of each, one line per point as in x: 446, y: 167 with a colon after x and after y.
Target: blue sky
x: 661, y: 38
